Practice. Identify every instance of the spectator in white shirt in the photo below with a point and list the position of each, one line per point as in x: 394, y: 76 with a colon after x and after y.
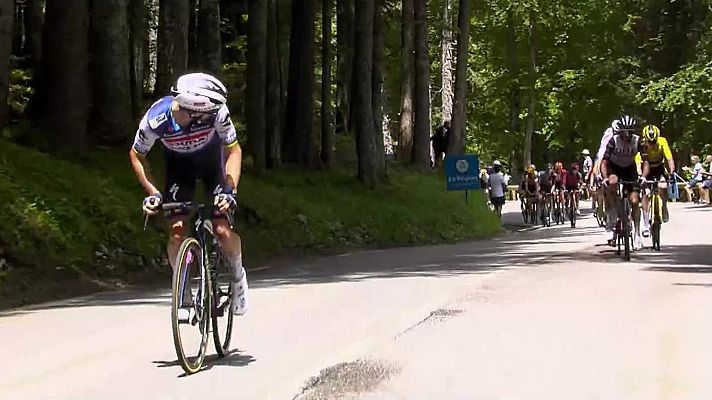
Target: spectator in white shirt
x: 497, y: 186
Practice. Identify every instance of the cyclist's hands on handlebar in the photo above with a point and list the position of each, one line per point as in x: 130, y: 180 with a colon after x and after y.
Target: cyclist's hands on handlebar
x: 152, y: 203
x: 225, y: 202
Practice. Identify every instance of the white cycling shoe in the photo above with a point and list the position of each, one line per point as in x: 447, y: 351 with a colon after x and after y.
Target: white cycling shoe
x: 239, y: 303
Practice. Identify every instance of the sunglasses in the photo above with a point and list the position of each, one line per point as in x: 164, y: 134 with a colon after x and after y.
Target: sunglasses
x: 198, y: 116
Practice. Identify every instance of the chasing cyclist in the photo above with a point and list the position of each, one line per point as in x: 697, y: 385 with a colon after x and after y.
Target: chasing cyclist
x: 573, y: 182
x: 529, y: 188
x: 596, y: 179
x: 618, y: 164
x: 200, y: 142
x: 558, y: 182
x: 656, y: 151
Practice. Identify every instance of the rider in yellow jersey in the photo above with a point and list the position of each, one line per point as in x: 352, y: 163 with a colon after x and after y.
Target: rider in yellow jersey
x: 656, y: 151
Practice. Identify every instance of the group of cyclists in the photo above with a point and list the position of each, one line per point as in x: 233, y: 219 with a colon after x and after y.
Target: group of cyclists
x: 629, y: 158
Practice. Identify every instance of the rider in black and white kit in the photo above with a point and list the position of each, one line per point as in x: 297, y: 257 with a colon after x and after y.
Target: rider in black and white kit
x: 618, y: 164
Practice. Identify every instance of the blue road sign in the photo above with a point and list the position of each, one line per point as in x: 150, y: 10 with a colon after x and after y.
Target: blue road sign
x: 462, y: 172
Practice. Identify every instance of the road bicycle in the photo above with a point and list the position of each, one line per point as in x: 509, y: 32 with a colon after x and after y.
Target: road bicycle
x: 546, y: 204
x: 570, y: 201
x: 558, y: 209
x: 656, y: 213
x: 529, y: 209
x: 200, y: 285
x: 624, y: 223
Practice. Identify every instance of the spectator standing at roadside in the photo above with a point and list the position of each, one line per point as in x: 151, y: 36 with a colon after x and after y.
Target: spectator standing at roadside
x: 497, y: 187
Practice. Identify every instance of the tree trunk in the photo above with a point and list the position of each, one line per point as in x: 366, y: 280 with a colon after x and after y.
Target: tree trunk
x: 151, y: 67
x: 531, y: 112
x: 369, y: 142
x: 273, y: 103
x: 174, y: 16
x: 138, y: 19
x: 17, y: 26
x: 515, y: 107
x: 112, y: 114
x: 345, y: 60
x: 34, y: 18
x: 195, y: 56
x: 446, y: 64
x: 298, y: 146
x: 327, y: 129
x: 379, y: 27
x: 421, y: 142
x: 256, y: 81
x: 64, y: 90
x: 458, y: 134
x: 514, y: 72
x: 6, y: 16
x: 209, y: 39
x: 405, y: 142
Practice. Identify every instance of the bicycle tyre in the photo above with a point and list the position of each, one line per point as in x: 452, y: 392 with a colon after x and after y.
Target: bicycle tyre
x: 572, y: 211
x: 222, y: 345
x: 655, y: 204
x: 188, y: 365
x: 627, y: 236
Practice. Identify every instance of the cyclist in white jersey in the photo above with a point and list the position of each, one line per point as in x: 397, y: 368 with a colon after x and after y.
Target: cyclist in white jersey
x: 618, y: 164
x: 200, y: 142
x: 596, y: 171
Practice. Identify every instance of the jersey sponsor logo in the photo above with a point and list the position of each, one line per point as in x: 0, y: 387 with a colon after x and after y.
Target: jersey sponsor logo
x: 156, y: 122
x: 188, y: 143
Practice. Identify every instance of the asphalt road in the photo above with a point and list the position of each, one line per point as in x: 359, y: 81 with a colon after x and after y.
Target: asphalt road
x: 543, y: 314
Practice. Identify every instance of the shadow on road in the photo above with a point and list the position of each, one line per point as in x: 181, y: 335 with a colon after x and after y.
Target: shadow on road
x: 233, y: 359
x: 512, y: 250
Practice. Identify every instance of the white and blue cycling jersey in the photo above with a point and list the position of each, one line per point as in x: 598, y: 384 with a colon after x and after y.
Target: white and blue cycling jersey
x: 158, y: 124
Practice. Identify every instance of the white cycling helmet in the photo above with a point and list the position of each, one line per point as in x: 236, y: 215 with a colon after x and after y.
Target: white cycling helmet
x: 199, y: 92
x: 615, y: 125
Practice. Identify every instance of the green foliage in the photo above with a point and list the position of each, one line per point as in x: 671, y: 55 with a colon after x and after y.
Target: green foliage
x: 288, y: 211
x: 59, y: 213
x: 20, y: 90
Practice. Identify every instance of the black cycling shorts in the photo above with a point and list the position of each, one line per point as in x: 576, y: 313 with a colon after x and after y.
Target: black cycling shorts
x: 626, y: 174
x: 657, y: 172
x: 183, y: 171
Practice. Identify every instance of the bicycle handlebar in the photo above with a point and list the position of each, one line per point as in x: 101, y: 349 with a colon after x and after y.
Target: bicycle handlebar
x: 184, y: 206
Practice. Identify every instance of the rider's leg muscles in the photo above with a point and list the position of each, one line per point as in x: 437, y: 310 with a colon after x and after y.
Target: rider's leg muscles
x: 663, y: 186
x: 176, y: 237
x: 232, y: 249
x: 231, y: 246
x: 611, y: 199
x: 646, y: 209
x: 635, y: 209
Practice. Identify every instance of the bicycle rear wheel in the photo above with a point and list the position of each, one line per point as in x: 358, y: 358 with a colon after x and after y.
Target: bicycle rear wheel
x: 222, y: 316
x: 656, y: 206
x: 190, y: 337
x: 546, y: 213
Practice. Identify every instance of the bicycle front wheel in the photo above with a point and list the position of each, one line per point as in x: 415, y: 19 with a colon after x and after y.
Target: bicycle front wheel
x: 190, y: 311
x: 656, y: 206
x: 627, y: 235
